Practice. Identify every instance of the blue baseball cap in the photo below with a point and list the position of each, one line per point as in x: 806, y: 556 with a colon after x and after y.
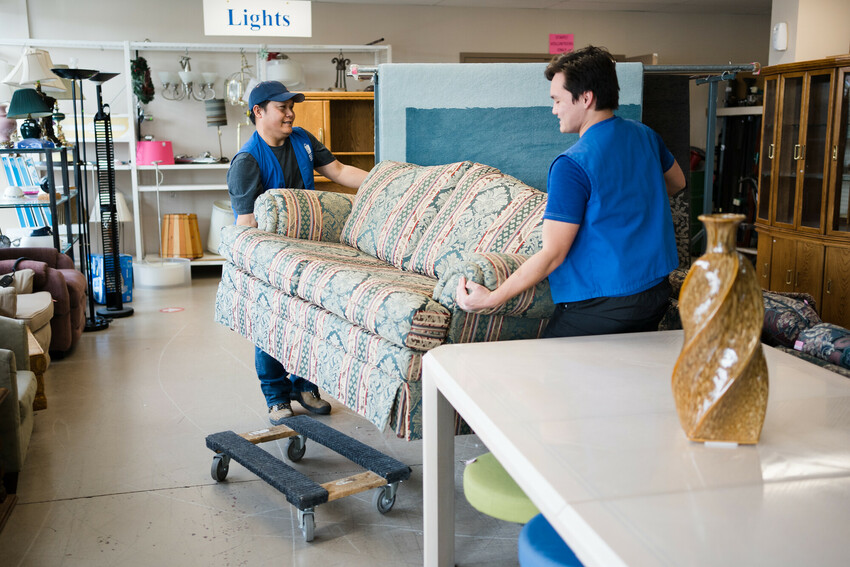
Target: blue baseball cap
x: 271, y: 90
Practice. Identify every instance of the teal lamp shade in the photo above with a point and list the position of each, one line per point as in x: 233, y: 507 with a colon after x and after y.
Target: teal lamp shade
x: 27, y: 103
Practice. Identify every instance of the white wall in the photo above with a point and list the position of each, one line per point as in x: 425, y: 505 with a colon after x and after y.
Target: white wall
x: 816, y: 29
x: 416, y: 34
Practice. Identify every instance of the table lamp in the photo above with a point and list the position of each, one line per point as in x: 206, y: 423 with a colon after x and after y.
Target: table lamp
x: 217, y: 116
x: 33, y: 70
x: 27, y: 103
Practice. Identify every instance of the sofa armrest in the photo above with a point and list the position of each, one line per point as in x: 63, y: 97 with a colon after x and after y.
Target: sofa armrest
x: 491, y: 269
x: 298, y: 213
x: 13, y: 337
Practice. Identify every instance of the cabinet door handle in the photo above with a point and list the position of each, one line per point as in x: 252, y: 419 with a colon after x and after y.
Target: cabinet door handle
x: 770, y: 151
x: 835, y: 153
x: 788, y: 277
x: 766, y: 271
x: 797, y: 148
x: 321, y: 135
x: 829, y: 287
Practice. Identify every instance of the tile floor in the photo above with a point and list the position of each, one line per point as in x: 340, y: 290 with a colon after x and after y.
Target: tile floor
x: 117, y: 472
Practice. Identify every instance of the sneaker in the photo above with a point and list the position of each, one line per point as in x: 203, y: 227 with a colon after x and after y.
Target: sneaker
x: 312, y: 402
x: 279, y: 412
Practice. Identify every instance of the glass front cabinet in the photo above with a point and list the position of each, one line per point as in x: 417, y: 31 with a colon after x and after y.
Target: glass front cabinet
x: 803, y: 212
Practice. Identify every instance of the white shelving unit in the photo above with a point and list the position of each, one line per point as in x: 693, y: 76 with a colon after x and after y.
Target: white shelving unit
x: 380, y: 54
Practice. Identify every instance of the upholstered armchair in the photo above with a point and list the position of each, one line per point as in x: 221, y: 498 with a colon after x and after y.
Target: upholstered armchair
x: 16, y: 413
x: 55, y: 273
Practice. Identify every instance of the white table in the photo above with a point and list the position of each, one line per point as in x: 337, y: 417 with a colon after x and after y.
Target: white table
x: 595, y: 442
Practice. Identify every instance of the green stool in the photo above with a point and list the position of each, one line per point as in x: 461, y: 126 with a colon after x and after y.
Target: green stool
x: 491, y: 490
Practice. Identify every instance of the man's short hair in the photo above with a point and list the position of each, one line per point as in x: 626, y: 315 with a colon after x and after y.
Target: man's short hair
x: 588, y: 69
x: 251, y: 116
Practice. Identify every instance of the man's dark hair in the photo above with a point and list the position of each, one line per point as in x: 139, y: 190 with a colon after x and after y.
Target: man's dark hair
x: 588, y: 69
x: 262, y: 105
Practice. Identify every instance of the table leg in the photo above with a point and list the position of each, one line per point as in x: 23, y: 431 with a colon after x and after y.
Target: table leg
x: 38, y: 365
x: 438, y: 478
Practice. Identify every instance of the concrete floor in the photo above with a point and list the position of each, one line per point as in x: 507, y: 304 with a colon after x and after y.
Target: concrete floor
x: 117, y: 472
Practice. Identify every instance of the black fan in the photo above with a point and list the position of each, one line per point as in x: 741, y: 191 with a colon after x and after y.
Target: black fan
x: 105, y: 150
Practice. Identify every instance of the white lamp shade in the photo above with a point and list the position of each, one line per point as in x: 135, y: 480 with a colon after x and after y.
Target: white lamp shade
x: 34, y: 67
x: 286, y: 71
x: 121, y: 208
x: 5, y: 90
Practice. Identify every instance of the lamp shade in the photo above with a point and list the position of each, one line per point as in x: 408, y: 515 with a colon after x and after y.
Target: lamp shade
x: 216, y: 112
x: 34, y: 67
x: 122, y: 211
x: 28, y: 103
x: 5, y: 90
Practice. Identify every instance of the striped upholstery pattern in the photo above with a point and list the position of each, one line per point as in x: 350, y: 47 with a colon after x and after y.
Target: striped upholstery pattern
x: 394, y: 206
x: 489, y: 211
x: 491, y: 269
x: 279, y: 260
x: 353, y: 285
x: 298, y: 213
x: 368, y: 374
x: 384, y: 300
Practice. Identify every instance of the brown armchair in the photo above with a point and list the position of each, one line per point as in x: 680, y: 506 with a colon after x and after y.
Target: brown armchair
x: 55, y: 273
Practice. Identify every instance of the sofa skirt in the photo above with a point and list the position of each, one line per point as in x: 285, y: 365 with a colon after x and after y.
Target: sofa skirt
x: 374, y: 377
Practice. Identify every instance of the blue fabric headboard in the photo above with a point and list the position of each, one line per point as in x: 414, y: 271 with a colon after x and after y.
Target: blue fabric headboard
x: 499, y: 114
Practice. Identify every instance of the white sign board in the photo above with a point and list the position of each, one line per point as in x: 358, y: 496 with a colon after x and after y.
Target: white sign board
x: 258, y: 18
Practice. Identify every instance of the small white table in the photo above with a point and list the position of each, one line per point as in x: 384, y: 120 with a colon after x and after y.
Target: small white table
x: 588, y: 428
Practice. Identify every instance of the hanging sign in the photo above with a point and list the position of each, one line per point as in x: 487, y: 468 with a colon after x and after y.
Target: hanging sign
x: 560, y: 43
x: 258, y: 18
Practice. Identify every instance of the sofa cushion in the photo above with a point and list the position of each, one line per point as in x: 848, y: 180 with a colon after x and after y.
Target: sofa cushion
x: 394, y: 206
x: 388, y: 302
x: 298, y: 213
x: 489, y: 211
x: 826, y: 341
x: 785, y: 317
x: 35, y: 309
x: 279, y: 260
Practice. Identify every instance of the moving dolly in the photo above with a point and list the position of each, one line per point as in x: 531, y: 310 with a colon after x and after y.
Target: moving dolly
x: 383, y: 472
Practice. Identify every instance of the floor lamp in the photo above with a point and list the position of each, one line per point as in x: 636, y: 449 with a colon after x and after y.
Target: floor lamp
x: 94, y: 322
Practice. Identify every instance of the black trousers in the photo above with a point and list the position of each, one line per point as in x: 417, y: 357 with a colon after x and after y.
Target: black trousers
x: 610, y: 315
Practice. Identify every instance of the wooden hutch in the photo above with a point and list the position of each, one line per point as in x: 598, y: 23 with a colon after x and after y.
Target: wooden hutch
x: 803, y: 217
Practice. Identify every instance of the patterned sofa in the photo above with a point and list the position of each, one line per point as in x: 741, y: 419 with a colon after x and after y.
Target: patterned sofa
x: 351, y: 291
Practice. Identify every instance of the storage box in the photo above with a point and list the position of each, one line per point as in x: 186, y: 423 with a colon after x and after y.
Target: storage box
x: 99, y: 284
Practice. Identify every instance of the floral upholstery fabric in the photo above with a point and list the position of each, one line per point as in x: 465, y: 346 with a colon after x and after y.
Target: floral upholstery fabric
x: 393, y: 304
x: 358, y: 287
x: 489, y: 211
x: 368, y: 374
x: 826, y: 341
x: 298, y: 213
x: 491, y: 270
x: 280, y: 260
x: 394, y: 206
x: 817, y: 361
x: 785, y: 318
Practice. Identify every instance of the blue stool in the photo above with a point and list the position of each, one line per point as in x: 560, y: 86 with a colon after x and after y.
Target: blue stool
x: 541, y: 546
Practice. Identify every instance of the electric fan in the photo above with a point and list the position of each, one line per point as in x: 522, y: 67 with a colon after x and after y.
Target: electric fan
x: 105, y: 150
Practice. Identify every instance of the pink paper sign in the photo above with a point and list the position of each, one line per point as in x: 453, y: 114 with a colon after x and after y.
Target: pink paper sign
x: 560, y: 43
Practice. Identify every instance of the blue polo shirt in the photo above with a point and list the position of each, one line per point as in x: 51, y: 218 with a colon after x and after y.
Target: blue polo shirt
x: 611, y: 183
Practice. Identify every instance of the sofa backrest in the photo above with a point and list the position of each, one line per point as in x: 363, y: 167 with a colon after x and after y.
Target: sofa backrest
x: 488, y: 211
x: 395, y: 205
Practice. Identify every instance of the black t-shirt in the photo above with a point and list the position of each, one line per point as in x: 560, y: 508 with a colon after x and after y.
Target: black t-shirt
x: 245, y: 183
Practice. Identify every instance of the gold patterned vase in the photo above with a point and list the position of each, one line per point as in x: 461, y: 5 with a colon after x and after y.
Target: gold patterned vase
x: 720, y: 379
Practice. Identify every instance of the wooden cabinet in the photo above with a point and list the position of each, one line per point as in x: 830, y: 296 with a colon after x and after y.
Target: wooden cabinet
x: 836, y: 285
x: 345, y: 123
x: 804, y: 183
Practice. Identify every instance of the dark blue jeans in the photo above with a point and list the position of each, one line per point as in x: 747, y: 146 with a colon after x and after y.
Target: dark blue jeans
x: 275, y: 382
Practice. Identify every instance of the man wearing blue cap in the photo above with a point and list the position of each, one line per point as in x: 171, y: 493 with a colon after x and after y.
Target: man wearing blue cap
x: 277, y: 155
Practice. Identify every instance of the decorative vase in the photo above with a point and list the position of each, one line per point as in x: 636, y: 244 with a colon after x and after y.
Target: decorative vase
x: 720, y: 380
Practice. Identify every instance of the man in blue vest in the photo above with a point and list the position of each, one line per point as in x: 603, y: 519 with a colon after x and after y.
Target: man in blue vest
x: 608, y: 239
x: 277, y: 155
